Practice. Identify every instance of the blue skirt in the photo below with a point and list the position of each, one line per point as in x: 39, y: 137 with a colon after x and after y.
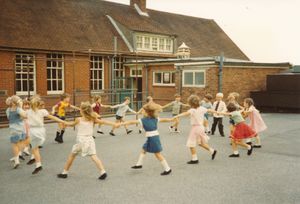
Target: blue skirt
x: 17, y: 138
x: 152, y: 145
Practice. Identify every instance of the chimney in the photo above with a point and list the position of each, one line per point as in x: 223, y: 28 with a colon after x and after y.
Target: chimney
x: 140, y: 3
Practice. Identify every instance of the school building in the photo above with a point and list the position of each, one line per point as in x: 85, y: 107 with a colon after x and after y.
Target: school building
x: 84, y: 47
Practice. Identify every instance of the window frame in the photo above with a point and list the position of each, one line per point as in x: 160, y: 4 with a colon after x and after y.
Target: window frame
x: 51, y: 92
x: 194, y: 75
x: 154, y: 43
x: 92, y: 69
x: 162, y: 78
x: 22, y: 64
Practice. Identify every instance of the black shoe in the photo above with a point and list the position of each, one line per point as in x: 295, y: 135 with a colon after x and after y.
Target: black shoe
x: 16, y: 165
x: 222, y: 135
x: 256, y: 146
x: 31, y: 161
x: 103, y: 176
x: 250, y: 151
x: 100, y: 132
x: 128, y: 131
x: 137, y: 167
x: 63, y: 176
x: 26, y: 154
x: 212, y: 133
x: 166, y: 172
x: 112, y: 134
x: 213, y: 155
x: 59, y: 139
x: 94, y: 137
x: 40, y: 147
x: 37, y: 170
x: 21, y: 157
x: 140, y: 132
x: 193, y: 162
x: 234, y: 155
x: 249, y: 143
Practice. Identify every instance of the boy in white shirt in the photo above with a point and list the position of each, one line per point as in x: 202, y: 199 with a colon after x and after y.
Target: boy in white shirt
x: 218, y: 106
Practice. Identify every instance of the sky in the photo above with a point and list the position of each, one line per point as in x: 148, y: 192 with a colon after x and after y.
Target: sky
x: 265, y: 30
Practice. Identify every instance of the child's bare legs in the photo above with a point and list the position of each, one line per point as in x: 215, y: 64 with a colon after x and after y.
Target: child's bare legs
x: 98, y: 163
x: 16, y: 151
x: 234, y: 145
x: 69, y: 162
x: 164, y: 163
x: 113, y: 129
x: 208, y: 148
x: 194, y: 156
x: 37, y: 157
x: 206, y: 126
x: 176, y: 123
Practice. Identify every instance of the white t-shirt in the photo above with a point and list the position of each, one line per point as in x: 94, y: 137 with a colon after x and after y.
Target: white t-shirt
x: 36, y: 118
x: 197, y: 115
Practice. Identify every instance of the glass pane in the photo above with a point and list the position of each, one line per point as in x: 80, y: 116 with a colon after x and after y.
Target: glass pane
x: 18, y: 84
x: 188, y: 78
x: 54, y: 63
x: 60, y: 85
x: 158, y: 78
x: 49, y: 85
x: 199, y: 78
x: 59, y: 64
x: 53, y: 73
x: 18, y: 76
x: 167, y: 77
x: 54, y: 86
x: 173, y: 78
x: 48, y: 63
x: 95, y: 75
x: 24, y: 84
x: 59, y: 74
x: 31, y: 85
x: 48, y: 74
x: 95, y: 85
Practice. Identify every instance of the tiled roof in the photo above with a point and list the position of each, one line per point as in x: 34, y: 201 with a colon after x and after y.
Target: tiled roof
x: 67, y: 25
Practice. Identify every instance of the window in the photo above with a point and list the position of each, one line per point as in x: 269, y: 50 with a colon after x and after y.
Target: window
x: 96, y: 73
x: 161, y: 44
x: 136, y: 72
x: 154, y: 44
x: 119, y: 73
x: 194, y: 78
x: 55, y: 73
x: 25, y: 74
x: 147, y: 42
x: 139, y: 42
x: 164, y: 78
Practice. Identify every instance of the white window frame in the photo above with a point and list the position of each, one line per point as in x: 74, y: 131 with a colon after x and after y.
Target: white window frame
x: 194, y: 75
x: 154, y: 45
x: 96, y: 69
x: 62, y: 74
x: 139, y: 70
x: 162, y: 83
x: 119, y: 62
x: 24, y: 64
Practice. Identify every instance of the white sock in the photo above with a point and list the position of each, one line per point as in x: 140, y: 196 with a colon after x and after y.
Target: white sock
x: 102, y: 172
x: 248, y: 140
x: 38, y: 164
x: 165, y: 165
x: 32, y: 157
x: 211, y: 150
x: 26, y: 149
x: 235, y: 152
x: 194, y: 157
x: 17, y: 161
x: 65, y: 172
x: 99, y: 129
x: 207, y: 129
x: 20, y: 153
x: 249, y: 147
x: 140, y: 160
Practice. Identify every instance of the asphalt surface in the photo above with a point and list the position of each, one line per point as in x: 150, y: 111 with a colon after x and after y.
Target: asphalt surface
x: 270, y: 175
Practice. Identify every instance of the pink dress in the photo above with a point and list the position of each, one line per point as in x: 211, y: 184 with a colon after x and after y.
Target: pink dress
x: 256, y: 121
x: 197, y: 133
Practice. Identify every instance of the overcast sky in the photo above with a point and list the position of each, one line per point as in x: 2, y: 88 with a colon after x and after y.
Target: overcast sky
x: 266, y: 30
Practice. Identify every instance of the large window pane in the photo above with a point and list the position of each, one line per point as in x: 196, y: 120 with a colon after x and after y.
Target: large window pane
x: 188, y: 78
x: 55, y: 70
x: 158, y: 78
x: 199, y: 78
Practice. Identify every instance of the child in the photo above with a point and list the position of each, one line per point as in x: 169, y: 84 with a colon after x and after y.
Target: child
x: 97, y: 105
x: 241, y: 130
x: 37, y: 130
x: 176, y: 109
x: 15, y: 116
x: 206, y: 103
x: 152, y: 145
x: 122, y: 109
x: 61, y: 114
x: 197, y: 134
x: 256, y: 121
x: 85, y: 143
x: 218, y: 106
x: 26, y: 107
x: 233, y: 98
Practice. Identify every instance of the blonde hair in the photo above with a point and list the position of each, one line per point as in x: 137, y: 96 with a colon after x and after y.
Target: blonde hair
x: 64, y: 95
x: 16, y: 100
x: 96, y: 98
x: 35, y: 102
x: 221, y: 95
x: 194, y: 101
x: 87, y: 111
x: 177, y: 96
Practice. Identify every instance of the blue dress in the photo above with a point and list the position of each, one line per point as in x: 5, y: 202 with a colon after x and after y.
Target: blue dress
x: 16, y: 125
x: 152, y: 144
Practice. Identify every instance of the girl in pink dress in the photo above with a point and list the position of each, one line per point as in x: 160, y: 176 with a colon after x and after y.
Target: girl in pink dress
x: 256, y: 121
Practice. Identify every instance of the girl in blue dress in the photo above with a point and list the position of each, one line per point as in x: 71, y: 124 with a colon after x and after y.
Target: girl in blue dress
x: 152, y: 144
